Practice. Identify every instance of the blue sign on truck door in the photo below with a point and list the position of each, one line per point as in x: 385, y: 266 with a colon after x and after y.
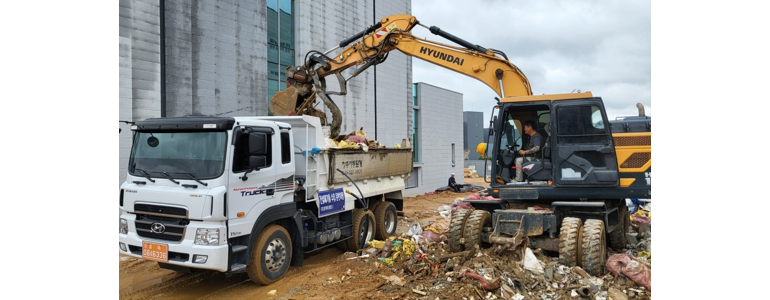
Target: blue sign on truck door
x: 331, y: 201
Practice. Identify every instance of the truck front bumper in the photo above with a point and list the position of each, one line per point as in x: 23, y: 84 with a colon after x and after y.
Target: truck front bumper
x: 181, y: 253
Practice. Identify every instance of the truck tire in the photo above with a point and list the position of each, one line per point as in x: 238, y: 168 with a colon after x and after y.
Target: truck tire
x: 361, y: 218
x: 457, y: 228
x: 271, y: 255
x: 386, y: 220
x: 593, y: 248
x: 618, y: 237
x: 474, y: 227
x: 569, y: 241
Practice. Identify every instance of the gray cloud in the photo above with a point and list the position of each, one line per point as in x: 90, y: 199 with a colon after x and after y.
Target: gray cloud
x: 598, y: 46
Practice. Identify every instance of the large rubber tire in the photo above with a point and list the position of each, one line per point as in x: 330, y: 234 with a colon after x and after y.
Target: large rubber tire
x: 474, y: 227
x: 386, y: 220
x: 361, y: 218
x: 271, y: 255
x: 569, y: 241
x: 457, y: 228
x: 593, y: 248
x: 618, y: 237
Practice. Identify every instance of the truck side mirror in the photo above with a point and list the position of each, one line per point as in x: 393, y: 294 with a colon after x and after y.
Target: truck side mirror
x: 257, y: 143
x: 257, y: 161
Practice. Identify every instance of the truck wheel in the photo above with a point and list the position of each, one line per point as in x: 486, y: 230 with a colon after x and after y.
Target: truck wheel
x: 363, y: 228
x: 271, y: 255
x: 618, y: 237
x: 474, y: 227
x: 456, y: 229
x: 569, y: 241
x: 593, y: 248
x: 386, y: 220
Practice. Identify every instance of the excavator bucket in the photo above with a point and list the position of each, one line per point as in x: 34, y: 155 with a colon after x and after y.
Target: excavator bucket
x: 284, y: 102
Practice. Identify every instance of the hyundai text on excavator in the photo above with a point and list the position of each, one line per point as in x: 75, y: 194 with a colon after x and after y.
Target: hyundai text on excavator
x: 572, y: 198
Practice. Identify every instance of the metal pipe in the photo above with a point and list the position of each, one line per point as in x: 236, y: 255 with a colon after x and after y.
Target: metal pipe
x: 641, y: 109
x: 330, y: 50
x: 499, y: 74
x: 437, y: 31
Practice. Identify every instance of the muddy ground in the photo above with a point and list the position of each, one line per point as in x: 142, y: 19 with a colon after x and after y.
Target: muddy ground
x: 326, y: 275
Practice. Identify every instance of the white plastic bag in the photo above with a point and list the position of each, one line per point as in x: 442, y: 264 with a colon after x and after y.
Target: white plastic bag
x: 531, y: 263
x: 415, y: 229
x: 331, y: 144
x: 445, y: 211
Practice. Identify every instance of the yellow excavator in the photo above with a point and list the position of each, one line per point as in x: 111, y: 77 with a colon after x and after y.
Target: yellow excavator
x: 567, y: 195
x: 307, y: 82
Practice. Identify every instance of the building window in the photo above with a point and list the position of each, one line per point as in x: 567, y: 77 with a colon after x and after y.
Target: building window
x: 453, y: 154
x: 415, y: 125
x: 280, y: 44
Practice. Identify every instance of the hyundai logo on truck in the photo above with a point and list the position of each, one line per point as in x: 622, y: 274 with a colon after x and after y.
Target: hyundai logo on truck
x: 157, y: 228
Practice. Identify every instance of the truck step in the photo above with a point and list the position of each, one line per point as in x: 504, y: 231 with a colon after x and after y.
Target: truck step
x: 239, y: 248
x: 237, y: 267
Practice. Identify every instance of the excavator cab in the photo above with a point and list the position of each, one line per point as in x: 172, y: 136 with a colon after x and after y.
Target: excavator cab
x: 578, y: 148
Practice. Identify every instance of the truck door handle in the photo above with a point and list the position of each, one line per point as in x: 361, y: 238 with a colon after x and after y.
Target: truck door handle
x: 270, y: 192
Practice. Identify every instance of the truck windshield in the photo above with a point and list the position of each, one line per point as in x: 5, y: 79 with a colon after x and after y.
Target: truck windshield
x: 178, y: 154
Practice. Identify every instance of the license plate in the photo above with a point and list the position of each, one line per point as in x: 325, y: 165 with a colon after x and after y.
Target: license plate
x: 157, y: 252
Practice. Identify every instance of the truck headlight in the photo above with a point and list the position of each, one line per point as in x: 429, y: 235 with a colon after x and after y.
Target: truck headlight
x: 205, y: 236
x: 123, y: 226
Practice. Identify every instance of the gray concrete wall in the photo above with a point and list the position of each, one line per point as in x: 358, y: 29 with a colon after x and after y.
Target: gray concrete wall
x: 440, y: 126
x: 139, y: 71
x: 321, y: 26
x: 216, y: 58
x: 473, y: 131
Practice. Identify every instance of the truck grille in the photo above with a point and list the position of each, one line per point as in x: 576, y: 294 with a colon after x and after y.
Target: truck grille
x: 161, y: 210
x: 170, y: 231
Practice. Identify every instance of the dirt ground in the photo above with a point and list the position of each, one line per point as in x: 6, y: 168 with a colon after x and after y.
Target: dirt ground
x: 326, y: 275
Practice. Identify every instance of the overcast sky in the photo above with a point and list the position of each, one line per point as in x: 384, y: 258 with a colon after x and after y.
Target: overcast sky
x: 561, y: 46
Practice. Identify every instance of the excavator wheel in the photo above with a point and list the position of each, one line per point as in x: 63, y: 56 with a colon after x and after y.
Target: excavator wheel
x: 593, y: 247
x: 618, y: 237
x: 457, y: 228
x: 569, y: 241
x: 474, y: 227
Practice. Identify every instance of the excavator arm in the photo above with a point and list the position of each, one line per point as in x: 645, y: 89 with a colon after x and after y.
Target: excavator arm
x: 371, y: 46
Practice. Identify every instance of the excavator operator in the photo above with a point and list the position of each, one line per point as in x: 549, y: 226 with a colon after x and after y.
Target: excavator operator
x: 530, y: 150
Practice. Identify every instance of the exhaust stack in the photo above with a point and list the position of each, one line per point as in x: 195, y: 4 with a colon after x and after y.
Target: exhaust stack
x: 641, y: 109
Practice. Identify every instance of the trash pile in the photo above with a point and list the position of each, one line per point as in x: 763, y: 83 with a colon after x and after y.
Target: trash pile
x: 639, y: 237
x: 418, y: 264
x: 463, y: 188
x: 359, y: 140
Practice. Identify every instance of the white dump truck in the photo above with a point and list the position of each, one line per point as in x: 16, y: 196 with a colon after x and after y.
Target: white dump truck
x: 252, y: 194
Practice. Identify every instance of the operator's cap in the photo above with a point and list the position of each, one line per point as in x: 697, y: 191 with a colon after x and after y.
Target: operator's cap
x: 453, y: 174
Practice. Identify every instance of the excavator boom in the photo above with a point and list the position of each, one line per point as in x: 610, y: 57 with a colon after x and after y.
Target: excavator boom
x: 371, y: 46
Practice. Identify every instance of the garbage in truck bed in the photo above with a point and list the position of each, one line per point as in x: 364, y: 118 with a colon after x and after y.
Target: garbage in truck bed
x: 358, y: 140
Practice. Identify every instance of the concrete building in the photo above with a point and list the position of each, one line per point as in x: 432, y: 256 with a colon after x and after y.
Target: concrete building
x: 473, y: 132
x: 226, y: 58
x: 437, y: 114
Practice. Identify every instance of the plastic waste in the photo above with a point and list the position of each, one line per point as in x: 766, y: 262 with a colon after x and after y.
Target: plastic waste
x: 531, y: 263
x: 638, y: 272
x: 431, y: 236
x: 445, y: 211
x: 331, y: 144
x: 357, y: 139
x: 386, y: 249
x: 415, y: 229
